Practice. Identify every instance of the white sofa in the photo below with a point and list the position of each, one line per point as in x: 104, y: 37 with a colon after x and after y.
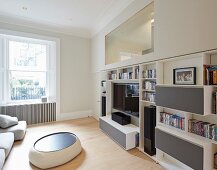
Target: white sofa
x: 7, y: 138
x: 19, y: 130
x: 6, y: 143
x: 2, y: 158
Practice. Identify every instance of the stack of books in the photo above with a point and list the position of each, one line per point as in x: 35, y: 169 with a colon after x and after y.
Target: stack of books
x: 204, y: 129
x: 149, y: 73
x: 172, y: 120
x: 127, y: 75
x: 149, y: 96
x: 210, y: 74
x: 149, y: 85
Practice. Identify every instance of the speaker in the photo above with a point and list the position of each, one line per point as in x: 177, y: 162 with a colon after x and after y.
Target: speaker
x: 149, y: 129
x: 103, y: 107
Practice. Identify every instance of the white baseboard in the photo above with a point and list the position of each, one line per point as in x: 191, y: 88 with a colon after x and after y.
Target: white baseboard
x: 95, y: 116
x: 74, y: 115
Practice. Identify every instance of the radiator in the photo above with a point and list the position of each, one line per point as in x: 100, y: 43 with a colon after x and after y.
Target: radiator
x: 31, y: 113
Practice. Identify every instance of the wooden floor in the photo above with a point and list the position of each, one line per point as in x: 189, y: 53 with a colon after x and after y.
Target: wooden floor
x: 99, y: 151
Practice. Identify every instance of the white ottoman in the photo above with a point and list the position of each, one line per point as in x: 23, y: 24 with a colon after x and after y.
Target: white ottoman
x: 54, y: 150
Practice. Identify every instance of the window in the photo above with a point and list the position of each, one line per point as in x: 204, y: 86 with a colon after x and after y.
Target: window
x: 27, y: 69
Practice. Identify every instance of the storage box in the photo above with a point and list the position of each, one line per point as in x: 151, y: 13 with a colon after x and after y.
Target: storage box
x: 121, y: 118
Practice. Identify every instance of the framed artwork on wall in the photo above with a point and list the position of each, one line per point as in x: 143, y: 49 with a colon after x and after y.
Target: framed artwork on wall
x: 184, y: 76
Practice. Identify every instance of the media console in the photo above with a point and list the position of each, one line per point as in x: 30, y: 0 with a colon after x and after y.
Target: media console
x: 125, y: 135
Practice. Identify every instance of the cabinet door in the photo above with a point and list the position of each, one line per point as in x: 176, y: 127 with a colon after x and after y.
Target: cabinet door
x: 184, y: 151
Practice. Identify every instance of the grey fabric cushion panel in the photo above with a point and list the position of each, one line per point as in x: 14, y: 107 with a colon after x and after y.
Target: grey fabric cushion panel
x: 18, y: 130
x: 2, y: 158
x: 6, y: 142
x: 7, y: 121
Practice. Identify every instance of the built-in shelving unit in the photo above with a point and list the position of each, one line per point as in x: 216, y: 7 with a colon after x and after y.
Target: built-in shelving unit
x: 180, y: 102
x: 188, y: 102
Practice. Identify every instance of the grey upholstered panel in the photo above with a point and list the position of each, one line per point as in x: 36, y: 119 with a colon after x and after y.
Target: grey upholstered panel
x: 186, y: 152
x: 114, y: 133
x: 181, y: 98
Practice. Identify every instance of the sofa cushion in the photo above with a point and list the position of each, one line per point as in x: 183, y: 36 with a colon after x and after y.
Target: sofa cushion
x: 6, y: 142
x: 7, y: 121
x: 2, y: 158
x: 18, y: 130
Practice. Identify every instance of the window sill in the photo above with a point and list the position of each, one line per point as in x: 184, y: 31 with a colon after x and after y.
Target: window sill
x: 27, y: 103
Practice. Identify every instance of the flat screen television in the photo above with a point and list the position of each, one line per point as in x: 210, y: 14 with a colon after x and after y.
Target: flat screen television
x: 126, y: 98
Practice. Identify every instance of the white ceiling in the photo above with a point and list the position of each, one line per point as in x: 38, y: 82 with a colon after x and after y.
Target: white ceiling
x: 77, y: 17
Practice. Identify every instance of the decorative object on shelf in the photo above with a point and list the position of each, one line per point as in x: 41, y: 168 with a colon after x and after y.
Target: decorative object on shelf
x: 210, y: 74
x: 44, y: 99
x: 172, y: 120
x: 204, y: 129
x: 184, y: 76
x: 112, y: 75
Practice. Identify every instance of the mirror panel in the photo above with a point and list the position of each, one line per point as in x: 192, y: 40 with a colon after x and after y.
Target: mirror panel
x: 132, y: 38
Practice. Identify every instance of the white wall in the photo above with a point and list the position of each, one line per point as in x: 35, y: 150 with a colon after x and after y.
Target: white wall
x: 184, y: 26
x: 74, y: 69
x: 181, y: 27
x: 98, y: 50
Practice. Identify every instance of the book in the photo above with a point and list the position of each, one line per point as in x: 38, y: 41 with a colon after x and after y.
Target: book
x: 210, y: 74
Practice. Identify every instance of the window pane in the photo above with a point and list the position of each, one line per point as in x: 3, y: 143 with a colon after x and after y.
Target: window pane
x: 1, y: 86
x: 27, y: 56
x: 1, y: 54
x: 27, y: 85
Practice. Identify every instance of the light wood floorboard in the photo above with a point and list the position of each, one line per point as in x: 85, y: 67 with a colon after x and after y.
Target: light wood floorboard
x: 99, y: 151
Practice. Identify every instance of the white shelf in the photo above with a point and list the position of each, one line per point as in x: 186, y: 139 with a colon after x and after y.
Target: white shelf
x: 149, y: 78
x: 184, y: 86
x: 190, y: 137
x: 145, y: 101
x: 168, y: 126
x: 123, y: 128
x: 125, y: 81
x: 148, y: 90
x: 172, y: 165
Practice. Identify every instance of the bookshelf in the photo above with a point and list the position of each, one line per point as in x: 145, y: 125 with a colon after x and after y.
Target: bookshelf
x: 188, y: 102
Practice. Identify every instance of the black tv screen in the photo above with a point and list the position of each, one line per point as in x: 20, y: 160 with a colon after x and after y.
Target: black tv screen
x: 126, y: 98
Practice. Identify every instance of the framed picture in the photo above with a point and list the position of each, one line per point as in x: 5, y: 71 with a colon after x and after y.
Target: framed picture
x: 184, y: 76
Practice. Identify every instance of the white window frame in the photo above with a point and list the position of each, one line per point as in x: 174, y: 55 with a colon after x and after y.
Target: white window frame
x: 50, y: 71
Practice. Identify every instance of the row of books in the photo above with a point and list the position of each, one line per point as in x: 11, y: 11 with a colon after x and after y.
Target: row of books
x: 149, y: 85
x: 148, y: 96
x: 127, y: 75
x: 149, y: 73
x: 137, y: 73
x: 172, y: 120
x: 204, y: 129
x: 210, y: 74
x: 112, y: 76
x: 214, y: 104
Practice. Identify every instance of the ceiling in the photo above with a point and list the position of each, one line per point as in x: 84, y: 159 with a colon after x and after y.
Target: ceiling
x: 77, y: 17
